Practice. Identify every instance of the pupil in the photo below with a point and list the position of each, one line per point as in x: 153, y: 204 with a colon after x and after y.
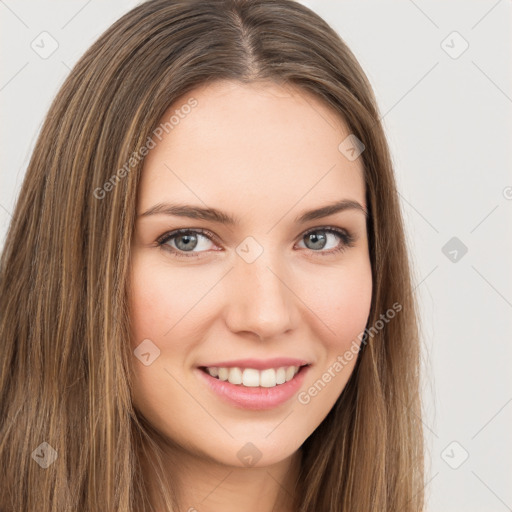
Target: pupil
x: 189, y: 239
x: 318, y: 239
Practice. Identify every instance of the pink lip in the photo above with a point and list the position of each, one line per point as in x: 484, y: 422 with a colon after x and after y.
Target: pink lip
x: 259, y: 364
x: 254, y: 398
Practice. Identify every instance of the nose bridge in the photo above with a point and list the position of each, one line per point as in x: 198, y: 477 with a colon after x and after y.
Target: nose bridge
x: 260, y: 299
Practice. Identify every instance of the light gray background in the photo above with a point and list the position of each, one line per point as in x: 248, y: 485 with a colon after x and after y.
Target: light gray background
x: 448, y: 121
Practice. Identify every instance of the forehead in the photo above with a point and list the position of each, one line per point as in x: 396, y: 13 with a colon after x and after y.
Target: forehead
x: 250, y: 146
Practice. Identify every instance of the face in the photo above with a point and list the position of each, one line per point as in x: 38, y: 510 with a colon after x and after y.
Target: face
x: 271, y: 302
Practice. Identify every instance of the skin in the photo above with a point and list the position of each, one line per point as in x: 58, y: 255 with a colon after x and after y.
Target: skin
x: 264, y: 153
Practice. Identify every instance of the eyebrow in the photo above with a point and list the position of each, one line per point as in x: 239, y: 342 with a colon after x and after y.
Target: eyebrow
x: 215, y: 215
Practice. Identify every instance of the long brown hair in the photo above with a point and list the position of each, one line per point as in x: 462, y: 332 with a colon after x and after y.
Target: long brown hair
x: 65, y: 362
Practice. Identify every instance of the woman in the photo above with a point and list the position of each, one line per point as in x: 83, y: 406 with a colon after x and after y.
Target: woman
x: 205, y: 293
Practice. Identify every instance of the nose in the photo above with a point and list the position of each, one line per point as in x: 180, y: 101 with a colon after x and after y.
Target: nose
x: 261, y: 298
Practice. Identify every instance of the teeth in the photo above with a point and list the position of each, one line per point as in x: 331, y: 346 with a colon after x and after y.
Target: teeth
x: 281, y: 376
x: 268, y: 378
x: 252, y: 378
x: 290, y: 372
x: 235, y: 376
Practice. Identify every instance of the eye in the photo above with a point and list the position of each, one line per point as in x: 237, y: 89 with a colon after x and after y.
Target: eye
x: 183, y: 241
x: 318, y: 239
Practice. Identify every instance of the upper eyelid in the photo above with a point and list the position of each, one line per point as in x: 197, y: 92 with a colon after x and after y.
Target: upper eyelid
x: 176, y: 232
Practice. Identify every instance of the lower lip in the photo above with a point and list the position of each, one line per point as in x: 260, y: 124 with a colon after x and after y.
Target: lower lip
x: 256, y: 398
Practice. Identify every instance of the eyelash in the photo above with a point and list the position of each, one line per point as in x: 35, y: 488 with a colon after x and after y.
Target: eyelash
x: 346, y: 237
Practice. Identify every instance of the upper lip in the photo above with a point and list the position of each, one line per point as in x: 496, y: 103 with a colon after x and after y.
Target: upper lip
x: 258, y: 364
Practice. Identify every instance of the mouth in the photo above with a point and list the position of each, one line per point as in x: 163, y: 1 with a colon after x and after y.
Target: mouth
x: 252, y: 377
x: 251, y: 388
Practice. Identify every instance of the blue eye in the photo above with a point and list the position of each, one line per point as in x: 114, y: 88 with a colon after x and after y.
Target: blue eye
x: 183, y: 241
x: 347, y: 240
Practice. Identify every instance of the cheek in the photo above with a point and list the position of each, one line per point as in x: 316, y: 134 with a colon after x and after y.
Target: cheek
x: 351, y: 307
x: 344, y: 307
x: 342, y: 300
x: 147, y: 305
x: 157, y: 302
x: 158, y: 299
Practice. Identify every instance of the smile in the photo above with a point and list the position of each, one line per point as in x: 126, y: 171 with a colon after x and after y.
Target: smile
x: 251, y: 377
x: 252, y: 388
